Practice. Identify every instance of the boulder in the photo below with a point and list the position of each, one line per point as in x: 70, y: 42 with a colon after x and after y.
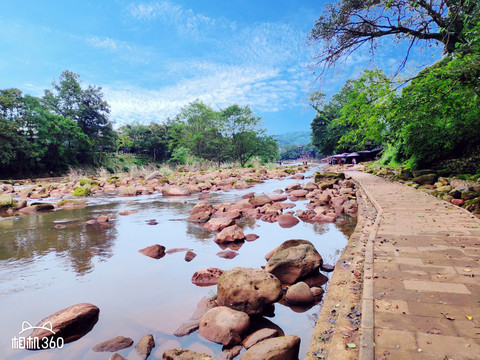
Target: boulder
x: 276, y: 198
x: 231, y: 352
x: 279, y: 348
x: 259, y: 335
x: 155, y: 251
x: 457, y: 202
x: 206, y: 277
x: 71, y: 323
x: 230, y: 234
x: 200, y: 217
x: 6, y: 201
x: 115, y: 344
x: 173, y: 190
x: 224, y: 325
x: 310, y: 186
x: 427, y: 179
x: 248, y: 290
x: 251, y: 237
x: 293, y: 262
x: 145, y: 346
x: 43, y: 207
x: 299, y: 293
x: 180, y: 354
x: 287, y: 221
x: 218, y: 224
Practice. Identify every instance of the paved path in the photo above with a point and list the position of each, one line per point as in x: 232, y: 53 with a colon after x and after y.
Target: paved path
x: 426, y: 276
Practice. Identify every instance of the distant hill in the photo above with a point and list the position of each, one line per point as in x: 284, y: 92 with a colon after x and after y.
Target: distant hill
x: 294, y: 138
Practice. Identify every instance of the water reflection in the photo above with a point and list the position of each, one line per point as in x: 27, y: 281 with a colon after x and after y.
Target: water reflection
x: 77, y: 244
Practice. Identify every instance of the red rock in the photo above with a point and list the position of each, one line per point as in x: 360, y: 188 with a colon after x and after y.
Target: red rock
x: 70, y: 324
x: 316, y: 280
x: 287, y: 221
x: 260, y: 200
x: 299, y: 293
x: 172, y: 190
x: 155, y: 251
x: 248, y: 195
x: 299, y: 193
x: 231, y: 352
x: 206, y: 277
x: 200, y: 217
x: 189, y: 256
x: 218, y: 224
x: 230, y: 234
x: 127, y: 212
x: 193, y: 323
x: 259, y: 335
x: 458, y: 202
x: 115, y: 344
x: 181, y: 354
x: 145, y: 345
x: 227, y: 254
x: 278, y: 348
x: 224, y: 325
x: 276, y: 198
x: 202, y: 206
x: 316, y: 291
x: 251, y: 237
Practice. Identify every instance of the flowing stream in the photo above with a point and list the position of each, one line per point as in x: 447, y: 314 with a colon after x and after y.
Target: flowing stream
x: 43, y: 270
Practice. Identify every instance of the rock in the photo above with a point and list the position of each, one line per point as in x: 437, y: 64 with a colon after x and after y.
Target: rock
x: 206, y: 277
x: 260, y: 200
x: 427, y: 179
x: 248, y: 195
x: 180, y: 354
x: 173, y: 190
x: 200, y: 217
x: 231, y: 352
x: 279, y: 348
x: 310, y: 186
x: 128, y: 191
x: 127, y: 212
x: 248, y: 290
x: 291, y: 262
x: 299, y: 193
x: 227, y: 254
x: 469, y: 195
x: 115, y: 344
x: 155, y: 251
x: 457, y: 202
x: 277, y: 198
x: 299, y: 293
x: 145, y: 346
x: 224, y: 325
x: 116, y: 357
x: 43, y: 207
x: 294, y: 186
x: 189, y: 256
x: 287, y: 221
x: 258, y: 336
x: 154, y: 175
x: 70, y: 323
x: 218, y: 224
x: 230, y: 234
x: 316, y: 291
x: 327, y: 267
x: 323, y: 199
x: 444, y: 188
x: 251, y: 237
x: 202, y: 206
x: 194, y: 322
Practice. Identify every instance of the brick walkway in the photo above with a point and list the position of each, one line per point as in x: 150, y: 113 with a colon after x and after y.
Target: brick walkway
x: 426, y: 276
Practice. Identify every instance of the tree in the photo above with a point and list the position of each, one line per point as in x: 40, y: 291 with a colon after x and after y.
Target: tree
x: 347, y: 25
x: 245, y: 137
x: 86, y: 107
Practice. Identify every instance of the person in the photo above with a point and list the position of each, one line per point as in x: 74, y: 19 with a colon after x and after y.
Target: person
x: 354, y: 161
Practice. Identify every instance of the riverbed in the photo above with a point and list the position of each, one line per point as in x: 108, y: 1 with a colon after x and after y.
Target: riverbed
x: 43, y: 270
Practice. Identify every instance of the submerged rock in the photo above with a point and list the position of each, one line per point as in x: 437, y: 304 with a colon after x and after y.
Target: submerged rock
x: 180, y: 354
x: 115, y: 344
x: 259, y: 335
x: 287, y: 221
x: 194, y: 322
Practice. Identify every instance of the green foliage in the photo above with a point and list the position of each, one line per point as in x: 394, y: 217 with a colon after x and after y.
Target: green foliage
x: 293, y: 138
x: 291, y: 152
x: 180, y: 156
x: 82, y: 191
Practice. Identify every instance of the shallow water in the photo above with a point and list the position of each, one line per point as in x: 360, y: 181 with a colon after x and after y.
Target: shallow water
x: 43, y: 270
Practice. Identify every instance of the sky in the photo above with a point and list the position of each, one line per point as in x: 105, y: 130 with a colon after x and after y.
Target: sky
x: 151, y: 58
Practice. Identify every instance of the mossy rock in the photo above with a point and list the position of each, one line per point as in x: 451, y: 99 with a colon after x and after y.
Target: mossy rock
x: 328, y: 176
x: 82, y: 191
x: 6, y: 201
x: 72, y: 203
x: 85, y: 181
x: 405, y: 174
x: 326, y: 185
x: 427, y: 179
x: 445, y: 188
x: 290, y: 171
x: 469, y: 195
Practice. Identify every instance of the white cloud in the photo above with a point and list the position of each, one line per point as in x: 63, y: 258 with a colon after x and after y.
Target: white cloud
x: 261, y: 88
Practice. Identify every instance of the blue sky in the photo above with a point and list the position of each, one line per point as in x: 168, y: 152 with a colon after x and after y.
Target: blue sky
x: 153, y: 57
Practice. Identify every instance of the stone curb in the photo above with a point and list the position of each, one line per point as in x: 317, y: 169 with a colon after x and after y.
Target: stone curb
x: 367, y: 339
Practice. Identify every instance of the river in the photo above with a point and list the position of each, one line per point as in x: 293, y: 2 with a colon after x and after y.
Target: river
x: 43, y: 270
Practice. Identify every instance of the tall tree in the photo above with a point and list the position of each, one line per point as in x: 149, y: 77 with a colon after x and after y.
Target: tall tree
x: 84, y: 106
x: 346, y: 25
